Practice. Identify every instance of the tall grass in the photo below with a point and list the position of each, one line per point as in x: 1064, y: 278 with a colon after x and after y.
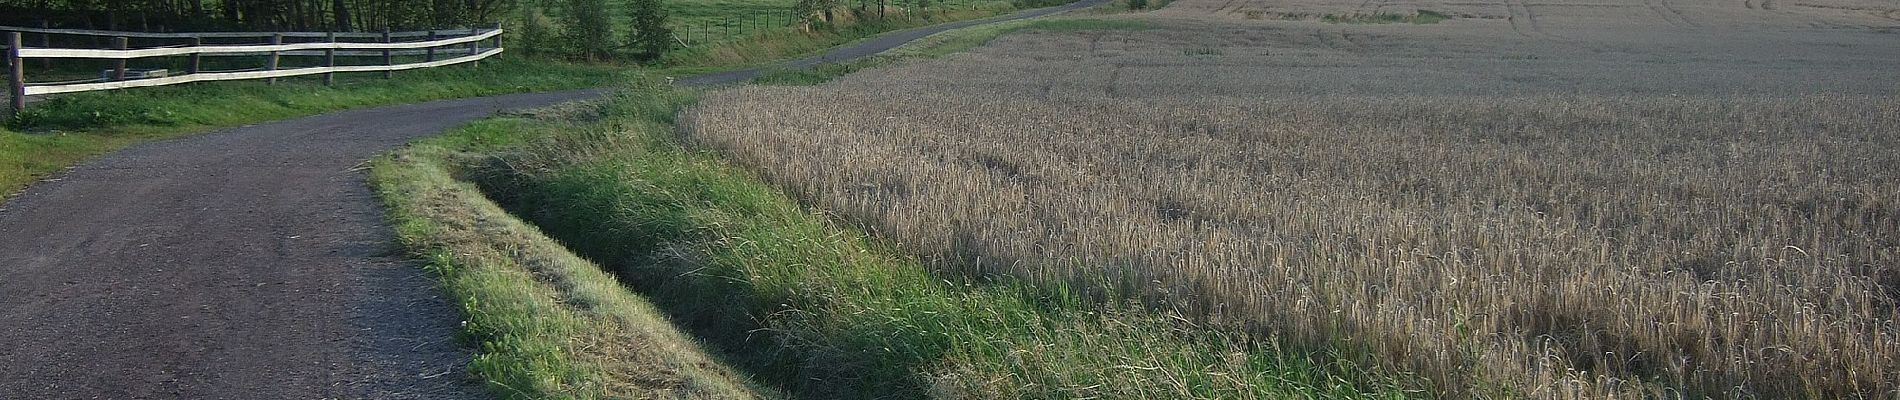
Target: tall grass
x: 825, y: 311
x: 547, y: 324
x: 1546, y: 246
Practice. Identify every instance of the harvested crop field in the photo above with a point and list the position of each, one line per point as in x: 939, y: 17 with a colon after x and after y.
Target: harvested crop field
x: 1657, y: 198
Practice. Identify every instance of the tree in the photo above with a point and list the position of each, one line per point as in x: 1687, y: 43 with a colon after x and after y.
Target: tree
x: 649, y: 38
x: 589, y: 32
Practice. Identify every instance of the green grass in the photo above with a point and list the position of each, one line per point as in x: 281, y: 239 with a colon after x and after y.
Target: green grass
x: 549, y: 324
x: 817, y: 309
x: 67, y: 129
x: 805, y: 305
x: 72, y: 128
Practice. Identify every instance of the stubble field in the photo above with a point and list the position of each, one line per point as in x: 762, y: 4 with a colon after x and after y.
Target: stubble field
x: 1676, y: 199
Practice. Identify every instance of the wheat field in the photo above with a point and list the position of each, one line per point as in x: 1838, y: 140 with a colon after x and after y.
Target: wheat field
x: 1710, y: 215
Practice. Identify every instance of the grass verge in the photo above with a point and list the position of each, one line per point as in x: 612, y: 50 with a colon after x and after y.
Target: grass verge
x: 549, y: 324
x: 818, y: 309
x: 65, y: 130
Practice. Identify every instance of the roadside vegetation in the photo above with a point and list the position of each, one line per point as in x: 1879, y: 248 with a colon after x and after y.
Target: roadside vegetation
x: 550, y: 324
x: 1492, y: 245
x: 806, y: 306
x: 550, y: 44
x: 65, y: 130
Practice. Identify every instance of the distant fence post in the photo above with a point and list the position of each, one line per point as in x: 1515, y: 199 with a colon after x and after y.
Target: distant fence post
x: 430, y: 54
x: 329, y: 60
x: 118, y: 65
x: 497, y: 37
x: 387, y: 60
x: 197, y: 60
x: 474, y: 46
x: 275, y: 39
x: 16, y: 73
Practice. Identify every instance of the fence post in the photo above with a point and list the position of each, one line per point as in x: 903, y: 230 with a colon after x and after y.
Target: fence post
x: 474, y: 46
x: 196, y: 59
x: 16, y: 73
x: 329, y: 60
x: 387, y: 60
x: 275, y: 39
x: 118, y: 66
x: 429, y: 55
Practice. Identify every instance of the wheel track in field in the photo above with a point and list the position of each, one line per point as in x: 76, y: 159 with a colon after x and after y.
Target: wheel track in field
x: 1677, y: 12
x: 1668, y: 13
x: 1524, y: 20
x: 1230, y: 3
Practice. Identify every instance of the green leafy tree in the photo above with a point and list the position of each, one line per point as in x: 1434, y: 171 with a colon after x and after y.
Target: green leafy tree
x: 536, y: 35
x: 649, y: 38
x: 589, y: 32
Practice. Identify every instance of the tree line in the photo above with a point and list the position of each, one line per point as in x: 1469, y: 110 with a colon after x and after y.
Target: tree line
x: 258, y: 15
x: 583, y: 29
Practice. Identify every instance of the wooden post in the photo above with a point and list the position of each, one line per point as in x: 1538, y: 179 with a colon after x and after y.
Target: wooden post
x: 497, y: 37
x: 16, y: 73
x: 474, y: 46
x: 329, y: 60
x: 275, y: 39
x: 387, y: 60
x: 429, y: 55
x: 196, y: 59
x: 118, y: 65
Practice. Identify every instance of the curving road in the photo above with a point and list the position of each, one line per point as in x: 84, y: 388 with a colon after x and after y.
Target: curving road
x: 250, y: 263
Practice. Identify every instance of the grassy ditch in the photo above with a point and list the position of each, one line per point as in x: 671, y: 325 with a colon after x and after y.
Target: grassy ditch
x: 804, y: 305
x: 65, y: 130
x: 817, y: 309
x: 549, y: 324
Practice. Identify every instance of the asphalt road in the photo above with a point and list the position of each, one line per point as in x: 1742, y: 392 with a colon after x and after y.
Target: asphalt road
x: 250, y: 263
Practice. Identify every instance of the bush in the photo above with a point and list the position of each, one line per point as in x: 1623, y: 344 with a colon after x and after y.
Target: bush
x: 649, y: 38
x: 589, y: 32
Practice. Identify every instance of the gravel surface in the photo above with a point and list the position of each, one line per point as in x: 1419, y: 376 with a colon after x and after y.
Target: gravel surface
x: 249, y: 263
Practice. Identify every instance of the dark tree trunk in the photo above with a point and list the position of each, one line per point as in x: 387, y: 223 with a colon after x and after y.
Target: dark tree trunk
x: 342, y: 13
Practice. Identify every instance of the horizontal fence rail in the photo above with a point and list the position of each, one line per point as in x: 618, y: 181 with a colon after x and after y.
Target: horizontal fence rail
x: 459, y: 46
x: 29, y: 52
x: 213, y: 35
x: 245, y: 75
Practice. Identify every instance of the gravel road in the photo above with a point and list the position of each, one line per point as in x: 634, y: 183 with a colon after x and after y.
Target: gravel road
x: 249, y: 263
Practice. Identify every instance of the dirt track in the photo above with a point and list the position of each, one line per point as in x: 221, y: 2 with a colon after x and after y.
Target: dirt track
x: 247, y: 263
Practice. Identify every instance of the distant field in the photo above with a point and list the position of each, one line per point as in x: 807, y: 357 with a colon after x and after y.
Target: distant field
x: 729, y: 19
x: 1665, y: 198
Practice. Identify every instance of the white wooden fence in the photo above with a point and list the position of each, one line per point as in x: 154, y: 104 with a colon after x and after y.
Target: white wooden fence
x: 467, y: 42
